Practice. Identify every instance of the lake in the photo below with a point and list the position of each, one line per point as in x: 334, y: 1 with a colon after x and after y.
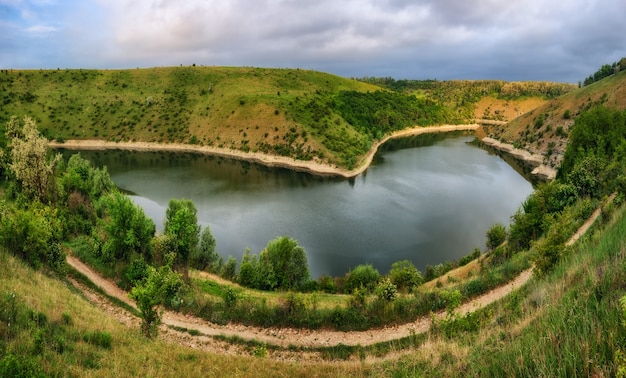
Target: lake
x: 427, y: 199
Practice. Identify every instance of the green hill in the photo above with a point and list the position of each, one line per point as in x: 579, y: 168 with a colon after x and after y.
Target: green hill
x: 298, y: 113
x: 302, y: 114
x: 545, y: 130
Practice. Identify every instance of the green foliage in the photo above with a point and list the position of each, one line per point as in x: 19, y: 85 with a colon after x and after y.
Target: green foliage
x: 472, y: 256
x: 535, y: 217
x: 596, y: 151
x: 405, y: 275
x: 128, y: 230
x: 363, y: 276
x: 181, y: 223
x: 451, y: 298
x: 204, y: 257
x: 281, y: 265
x: 380, y: 112
x: 587, y: 176
x: 605, y: 71
x: 80, y: 176
x: 229, y: 270
x: 33, y: 234
x: 386, y: 290
x: 496, y: 235
x: 288, y: 261
x: 160, y: 287
x: 29, y: 159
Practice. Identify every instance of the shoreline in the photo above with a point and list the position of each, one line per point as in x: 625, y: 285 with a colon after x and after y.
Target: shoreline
x: 308, y: 166
x: 535, y: 161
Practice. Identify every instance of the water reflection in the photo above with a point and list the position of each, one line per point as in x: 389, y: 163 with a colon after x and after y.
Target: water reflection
x: 426, y: 204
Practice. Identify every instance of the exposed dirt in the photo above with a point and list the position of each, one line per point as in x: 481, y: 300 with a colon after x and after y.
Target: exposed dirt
x: 315, y: 167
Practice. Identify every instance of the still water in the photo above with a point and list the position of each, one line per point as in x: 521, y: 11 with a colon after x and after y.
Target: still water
x: 426, y: 204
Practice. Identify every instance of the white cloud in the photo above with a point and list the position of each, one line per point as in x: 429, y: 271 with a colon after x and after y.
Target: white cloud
x: 41, y: 29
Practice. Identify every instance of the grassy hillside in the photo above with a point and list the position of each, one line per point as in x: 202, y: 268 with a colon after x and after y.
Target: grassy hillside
x: 480, y: 99
x: 47, y: 328
x: 303, y: 114
x: 306, y: 115
x: 567, y: 323
x: 545, y: 130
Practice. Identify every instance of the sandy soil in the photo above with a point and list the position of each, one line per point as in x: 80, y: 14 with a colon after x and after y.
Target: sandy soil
x: 313, y: 167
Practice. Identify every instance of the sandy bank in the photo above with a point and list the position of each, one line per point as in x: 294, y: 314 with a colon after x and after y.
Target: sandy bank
x: 540, y: 170
x: 314, y: 167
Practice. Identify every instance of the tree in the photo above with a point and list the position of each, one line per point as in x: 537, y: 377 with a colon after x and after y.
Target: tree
x: 29, y: 159
x: 154, y: 292
x: 181, y: 223
x: 288, y: 262
x: 405, y: 275
x: 204, y: 256
x: 229, y: 269
x: 362, y: 276
x: 496, y: 235
x: 129, y: 230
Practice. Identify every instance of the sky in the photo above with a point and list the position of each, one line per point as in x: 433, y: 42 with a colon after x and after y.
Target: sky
x: 510, y: 40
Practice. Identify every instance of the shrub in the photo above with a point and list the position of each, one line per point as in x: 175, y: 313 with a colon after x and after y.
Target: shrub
x: 386, y: 290
x: 363, y: 276
x: 496, y: 235
x: 405, y: 275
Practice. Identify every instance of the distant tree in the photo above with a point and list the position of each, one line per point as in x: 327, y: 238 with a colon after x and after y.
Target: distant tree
x: 181, y: 222
x: 288, y: 261
x: 362, y: 276
x: 405, y: 275
x: 496, y: 235
x: 204, y: 256
x: 128, y: 230
x: 247, y: 274
x: 29, y: 159
x: 229, y: 270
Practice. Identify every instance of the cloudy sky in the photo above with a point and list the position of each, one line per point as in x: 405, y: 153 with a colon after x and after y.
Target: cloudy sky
x: 420, y: 39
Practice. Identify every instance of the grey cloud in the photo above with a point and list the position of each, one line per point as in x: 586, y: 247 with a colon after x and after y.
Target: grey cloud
x: 471, y: 39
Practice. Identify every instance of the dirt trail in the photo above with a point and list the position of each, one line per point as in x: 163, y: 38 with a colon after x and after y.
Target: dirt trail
x: 313, y: 338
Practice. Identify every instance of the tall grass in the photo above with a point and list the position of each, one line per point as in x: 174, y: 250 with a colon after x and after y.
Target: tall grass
x: 565, y: 324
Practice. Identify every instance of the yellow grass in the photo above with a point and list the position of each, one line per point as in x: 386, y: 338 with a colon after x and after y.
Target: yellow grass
x: 131, y: 354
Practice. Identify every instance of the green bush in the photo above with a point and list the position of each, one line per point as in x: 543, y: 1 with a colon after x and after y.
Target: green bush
x: 99, y: 338
x: 405, y: 275
x: 362, y: 276
x: 386, y: 290
x: 496, y: 235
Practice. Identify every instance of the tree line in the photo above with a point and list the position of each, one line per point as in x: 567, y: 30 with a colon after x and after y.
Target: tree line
x: 605, y: 71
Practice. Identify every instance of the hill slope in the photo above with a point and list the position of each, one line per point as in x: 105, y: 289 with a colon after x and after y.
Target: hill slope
x: 305, y: 115
x: 545, y: 130
x: 289, y: 112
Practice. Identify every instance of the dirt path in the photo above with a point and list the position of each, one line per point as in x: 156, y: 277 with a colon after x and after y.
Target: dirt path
x: 312, y: 338
x: 314, y: 167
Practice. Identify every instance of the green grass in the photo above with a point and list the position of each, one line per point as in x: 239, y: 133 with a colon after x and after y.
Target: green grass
x: 565, y: 324
x: 545, y: 129
x: 306, y: 115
